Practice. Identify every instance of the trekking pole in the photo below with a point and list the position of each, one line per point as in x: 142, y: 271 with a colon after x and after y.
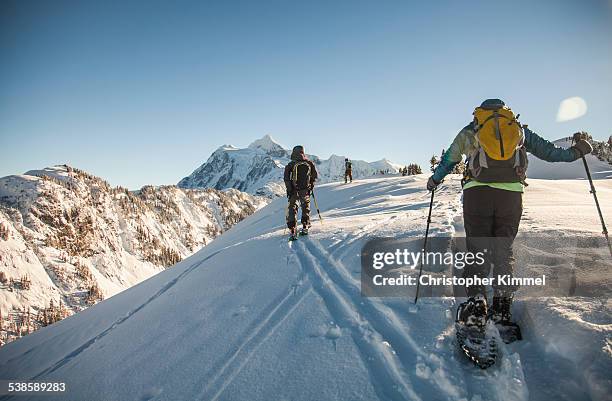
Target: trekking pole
x: 424, y: 245
x: 316, y: 205
x: 603, y: 223
x: 584, y: 136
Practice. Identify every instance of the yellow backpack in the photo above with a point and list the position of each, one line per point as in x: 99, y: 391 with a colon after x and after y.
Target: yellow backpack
x: 500, y: 155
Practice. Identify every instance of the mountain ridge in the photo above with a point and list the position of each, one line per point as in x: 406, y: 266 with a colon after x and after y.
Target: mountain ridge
x: 258, y: 168
x: 68, y: 239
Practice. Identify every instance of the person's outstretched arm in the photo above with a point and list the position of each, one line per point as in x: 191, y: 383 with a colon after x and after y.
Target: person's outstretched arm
x: 546, y: 150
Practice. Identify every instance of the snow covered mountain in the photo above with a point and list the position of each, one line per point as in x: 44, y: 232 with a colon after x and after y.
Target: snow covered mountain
x: 250, y: 317
x: 600, y: 163
x: 68, y: 240
x: 258, y: 169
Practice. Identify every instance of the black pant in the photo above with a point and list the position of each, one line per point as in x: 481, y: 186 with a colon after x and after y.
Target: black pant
x: 491, y: 213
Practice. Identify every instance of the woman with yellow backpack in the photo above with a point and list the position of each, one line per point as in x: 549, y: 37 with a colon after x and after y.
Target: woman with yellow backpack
x: 496, y: 146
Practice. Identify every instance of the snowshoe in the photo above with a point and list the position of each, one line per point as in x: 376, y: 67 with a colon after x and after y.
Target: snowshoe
x: 304, y: 231
x: 476, y: 342
x: 293, y: 235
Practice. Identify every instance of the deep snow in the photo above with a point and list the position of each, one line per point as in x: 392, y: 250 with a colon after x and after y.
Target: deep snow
x: 252, y: 317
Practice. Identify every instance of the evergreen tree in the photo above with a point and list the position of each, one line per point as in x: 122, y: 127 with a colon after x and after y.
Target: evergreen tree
x: 434, y: 161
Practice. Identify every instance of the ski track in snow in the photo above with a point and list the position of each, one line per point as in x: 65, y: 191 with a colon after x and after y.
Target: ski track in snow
x: 263, y: 327
x: 258, y: 334
x: 391, y: 381
x: 89, y: 343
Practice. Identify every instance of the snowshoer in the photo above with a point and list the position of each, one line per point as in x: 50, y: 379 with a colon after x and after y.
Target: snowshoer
x: 300, y: 176
x: 348, y: 171
x: 496, y: 146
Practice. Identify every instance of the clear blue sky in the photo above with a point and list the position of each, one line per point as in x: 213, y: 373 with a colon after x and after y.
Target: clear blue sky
x: 141, y: 92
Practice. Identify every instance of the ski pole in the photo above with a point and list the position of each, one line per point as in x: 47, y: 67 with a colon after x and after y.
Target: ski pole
x: 603, y: 223
x: 424, y: 245
x: 316, y: 205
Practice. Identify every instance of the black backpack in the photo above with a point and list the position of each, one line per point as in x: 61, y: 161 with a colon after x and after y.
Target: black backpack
x: 300, y: 175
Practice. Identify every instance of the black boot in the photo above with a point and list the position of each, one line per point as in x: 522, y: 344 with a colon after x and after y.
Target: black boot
x: 473, y: 312
x: 500, y: 310
x: 500, y: 313
x: 293, y: 234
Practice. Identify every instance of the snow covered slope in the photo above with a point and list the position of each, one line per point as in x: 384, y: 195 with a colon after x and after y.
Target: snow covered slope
x: 251, y: 318
x: 69, y: 239
x: 600, y: 169
x: 259, y: 168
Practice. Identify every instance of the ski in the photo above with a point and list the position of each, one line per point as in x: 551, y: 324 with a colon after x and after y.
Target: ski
x: 479, y: 346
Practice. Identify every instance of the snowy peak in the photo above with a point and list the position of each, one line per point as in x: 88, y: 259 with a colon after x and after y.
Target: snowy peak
x: 258, y: 169
x: 58, y: 172
x: 267, y: 144
x: 226, y: 148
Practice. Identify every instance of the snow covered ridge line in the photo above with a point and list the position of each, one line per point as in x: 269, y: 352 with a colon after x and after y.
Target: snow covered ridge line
x: 68, y: 239
x: 258, y: 169
x: 600, y: 163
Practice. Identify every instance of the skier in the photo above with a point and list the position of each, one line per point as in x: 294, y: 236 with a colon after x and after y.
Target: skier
x: 300, y: 176
x: 348, y: 170
x: 495, y: 145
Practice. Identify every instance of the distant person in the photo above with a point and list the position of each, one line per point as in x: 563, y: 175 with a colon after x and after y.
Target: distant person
x: 348, y: 171
x: 300, y: 176
x: 496, y: 147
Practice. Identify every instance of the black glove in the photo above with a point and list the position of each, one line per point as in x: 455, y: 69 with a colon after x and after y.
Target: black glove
x: 432, y: 184
x: 289, y: 193
x: 582, y: 147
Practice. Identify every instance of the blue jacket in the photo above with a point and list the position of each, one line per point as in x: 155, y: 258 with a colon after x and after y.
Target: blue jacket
x: 465, y: 144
